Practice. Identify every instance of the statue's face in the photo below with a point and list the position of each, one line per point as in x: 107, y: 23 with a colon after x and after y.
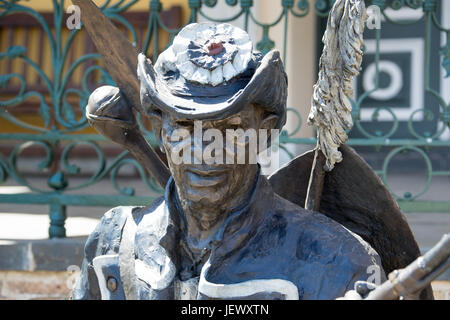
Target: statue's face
x: 215, y: 183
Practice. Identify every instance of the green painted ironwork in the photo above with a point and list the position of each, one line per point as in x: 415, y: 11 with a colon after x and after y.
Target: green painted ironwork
x: 64, y: 130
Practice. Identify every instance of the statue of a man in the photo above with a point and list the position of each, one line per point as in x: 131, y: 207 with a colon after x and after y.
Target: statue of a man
x: 220, y: 231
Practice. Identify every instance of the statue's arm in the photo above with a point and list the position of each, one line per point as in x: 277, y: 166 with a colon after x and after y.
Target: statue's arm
x: 105, y: 239
x: 86, y: 287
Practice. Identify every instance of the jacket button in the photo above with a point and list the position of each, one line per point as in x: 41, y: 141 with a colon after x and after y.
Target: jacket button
x: 111, y: 284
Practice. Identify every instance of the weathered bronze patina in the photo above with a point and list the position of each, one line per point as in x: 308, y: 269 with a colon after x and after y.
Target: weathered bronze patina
x: 225, y: 231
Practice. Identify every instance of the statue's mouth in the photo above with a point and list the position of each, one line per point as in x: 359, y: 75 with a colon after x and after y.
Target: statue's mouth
x: 206, y: 176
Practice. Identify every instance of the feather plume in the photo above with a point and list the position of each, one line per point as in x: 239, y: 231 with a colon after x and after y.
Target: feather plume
x: 339, y: 64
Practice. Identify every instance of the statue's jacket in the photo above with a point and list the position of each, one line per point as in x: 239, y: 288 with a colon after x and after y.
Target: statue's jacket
x: 268, y: 249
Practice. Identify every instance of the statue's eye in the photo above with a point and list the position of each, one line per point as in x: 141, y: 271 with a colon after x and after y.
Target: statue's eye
x: 184, y: 123
x: 234, y: 121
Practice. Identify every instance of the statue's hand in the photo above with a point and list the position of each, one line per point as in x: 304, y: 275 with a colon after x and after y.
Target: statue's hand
x: 107, y: 103
x: 361, y: 290
x: 110, y: 114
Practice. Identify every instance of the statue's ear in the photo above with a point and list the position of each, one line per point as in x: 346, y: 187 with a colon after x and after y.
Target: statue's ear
x: 269, y: 121
x: 156, y: 123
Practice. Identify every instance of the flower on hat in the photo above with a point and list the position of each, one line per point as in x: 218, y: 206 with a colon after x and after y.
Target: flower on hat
x: 207, y: 53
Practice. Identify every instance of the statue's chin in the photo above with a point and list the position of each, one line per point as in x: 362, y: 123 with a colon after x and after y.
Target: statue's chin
x: 204, y: 197
x: 205, y: 205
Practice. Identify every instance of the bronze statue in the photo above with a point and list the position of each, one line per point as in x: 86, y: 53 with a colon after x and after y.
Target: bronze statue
x: 224, y: 231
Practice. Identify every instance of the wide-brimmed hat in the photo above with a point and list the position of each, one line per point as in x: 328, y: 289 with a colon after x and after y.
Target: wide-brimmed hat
x: 210, y: 72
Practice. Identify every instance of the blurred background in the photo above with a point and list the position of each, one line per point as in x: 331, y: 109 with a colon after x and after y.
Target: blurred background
x: 58, y: 176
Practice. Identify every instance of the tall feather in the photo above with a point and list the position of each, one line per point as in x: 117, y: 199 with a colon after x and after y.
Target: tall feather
x: 339, y: 64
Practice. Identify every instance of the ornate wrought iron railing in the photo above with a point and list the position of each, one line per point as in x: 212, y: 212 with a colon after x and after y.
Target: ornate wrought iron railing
x: 61, y: 104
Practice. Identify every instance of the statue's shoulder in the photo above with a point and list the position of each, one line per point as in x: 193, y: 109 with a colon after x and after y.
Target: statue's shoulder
x: 104, y: 243
x: 322, y: 238
x: 322, y: 250
x: 152, y: 225
x: 106, y: 237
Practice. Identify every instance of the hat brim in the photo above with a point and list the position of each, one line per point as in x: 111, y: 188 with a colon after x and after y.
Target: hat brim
x: 156, y: 93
